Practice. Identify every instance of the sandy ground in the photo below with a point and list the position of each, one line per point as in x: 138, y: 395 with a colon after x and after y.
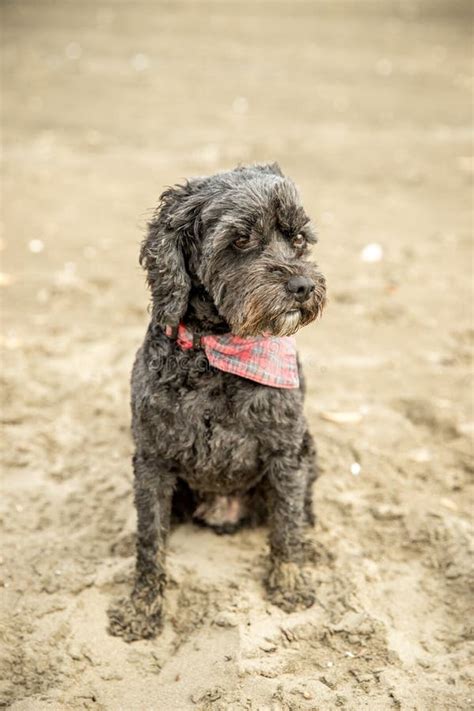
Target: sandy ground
x: 366, y: 105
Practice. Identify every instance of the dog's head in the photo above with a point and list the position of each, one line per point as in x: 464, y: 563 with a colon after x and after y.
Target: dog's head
x: 244, y: 237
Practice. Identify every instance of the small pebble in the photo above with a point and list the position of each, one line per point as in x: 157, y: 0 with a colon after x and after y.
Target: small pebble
x: 36, y: 246
x: 420, y: 455
x: 466, y: 428
x: 342, y: 418
x: 11, y: 342
x: 355, y: 468
x: 140, y: 62
x: 240, y: 105
x: 385, y: 512
x: 42, y: 296
x: 225, y: 619
x: 449, y: 504
x: 372, y: 253
x: 6, y: 279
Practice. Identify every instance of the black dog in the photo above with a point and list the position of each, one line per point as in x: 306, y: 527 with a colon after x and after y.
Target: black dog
x: 225, y: 254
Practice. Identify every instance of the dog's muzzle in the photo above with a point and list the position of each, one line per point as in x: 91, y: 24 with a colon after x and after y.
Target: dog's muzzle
x: 301, y: 288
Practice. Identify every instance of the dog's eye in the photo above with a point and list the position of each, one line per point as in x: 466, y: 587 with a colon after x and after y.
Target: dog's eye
x: 241, y: 242
x: 299, y: 241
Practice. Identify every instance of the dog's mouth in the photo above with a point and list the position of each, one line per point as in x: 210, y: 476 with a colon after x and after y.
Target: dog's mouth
x: 291, y: 320
x: 287, y: 323
x: 269, y: 310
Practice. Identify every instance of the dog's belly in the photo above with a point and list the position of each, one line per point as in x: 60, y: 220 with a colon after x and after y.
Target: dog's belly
x: 221, y: 461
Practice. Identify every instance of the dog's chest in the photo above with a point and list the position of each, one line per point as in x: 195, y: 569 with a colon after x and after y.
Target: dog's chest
x: 222, y: 429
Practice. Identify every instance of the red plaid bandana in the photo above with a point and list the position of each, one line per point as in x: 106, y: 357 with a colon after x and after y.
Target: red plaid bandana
x: 269, y: 360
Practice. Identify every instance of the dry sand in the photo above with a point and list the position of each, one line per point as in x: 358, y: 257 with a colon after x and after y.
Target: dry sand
x: 366, y: 105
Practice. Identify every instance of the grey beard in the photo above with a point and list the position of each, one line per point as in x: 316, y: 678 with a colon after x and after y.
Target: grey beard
x: 286, y: 324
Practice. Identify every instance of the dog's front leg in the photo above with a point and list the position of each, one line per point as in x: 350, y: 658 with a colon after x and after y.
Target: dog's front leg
x: 140, y: 616
x: 289, y: 583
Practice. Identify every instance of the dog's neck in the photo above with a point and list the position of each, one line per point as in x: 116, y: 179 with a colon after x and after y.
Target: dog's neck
x: 201, y: 316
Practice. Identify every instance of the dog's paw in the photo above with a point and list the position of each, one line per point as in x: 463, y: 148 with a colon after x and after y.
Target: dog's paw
x: 133, y: 620
x: 314, y: 553
x: 290, y: 587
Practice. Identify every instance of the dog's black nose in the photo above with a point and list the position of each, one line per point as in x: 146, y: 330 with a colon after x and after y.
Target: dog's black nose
x: 300, y: 286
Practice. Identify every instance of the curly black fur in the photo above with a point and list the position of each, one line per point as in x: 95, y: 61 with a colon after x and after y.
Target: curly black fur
x: 219, y: 254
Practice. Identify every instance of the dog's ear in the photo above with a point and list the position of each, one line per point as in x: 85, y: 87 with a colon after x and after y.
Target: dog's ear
x: 271, y: 168
x: 174, y: 224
